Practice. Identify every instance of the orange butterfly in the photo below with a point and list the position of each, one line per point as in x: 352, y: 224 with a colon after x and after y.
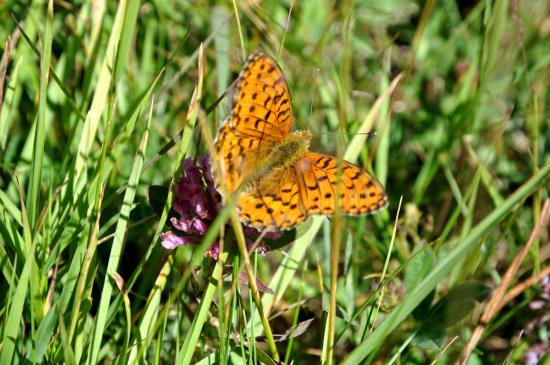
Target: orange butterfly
x: 283, y: 183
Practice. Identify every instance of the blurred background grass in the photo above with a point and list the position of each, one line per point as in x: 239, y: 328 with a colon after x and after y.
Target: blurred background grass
x: 466, y: 127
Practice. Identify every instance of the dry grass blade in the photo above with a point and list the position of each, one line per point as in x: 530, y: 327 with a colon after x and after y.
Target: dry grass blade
x: 4, y: 62
x: 521, y: 287
x: 495, y: 303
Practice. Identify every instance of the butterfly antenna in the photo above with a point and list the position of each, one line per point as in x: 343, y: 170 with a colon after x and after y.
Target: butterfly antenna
x: 370, y: 134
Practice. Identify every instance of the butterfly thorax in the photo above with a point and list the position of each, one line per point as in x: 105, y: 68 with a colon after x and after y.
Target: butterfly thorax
x: 288, y: 151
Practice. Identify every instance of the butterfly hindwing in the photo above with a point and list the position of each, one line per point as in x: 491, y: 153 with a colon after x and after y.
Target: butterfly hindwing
x: 359, y: 192
x: 273, y: 203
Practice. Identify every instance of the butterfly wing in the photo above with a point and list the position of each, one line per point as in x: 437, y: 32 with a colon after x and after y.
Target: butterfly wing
x: 261, y: 105
x: 235, y: 155
x: 273, y: 203
x: 318, y: 176
x: 261, y: 115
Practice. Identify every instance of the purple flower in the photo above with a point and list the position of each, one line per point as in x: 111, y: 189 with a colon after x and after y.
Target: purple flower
x: 196, y: 204
x: 535, y: 353
x: 544, y: 299
x: 541, y: 308
x: 170, y: 240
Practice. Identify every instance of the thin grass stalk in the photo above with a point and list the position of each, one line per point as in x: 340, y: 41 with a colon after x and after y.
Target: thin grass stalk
x: 295, y: 316
x: 239, y: 235
x: 185, y: 354
x: 380, y: 296
x: 239, y: 29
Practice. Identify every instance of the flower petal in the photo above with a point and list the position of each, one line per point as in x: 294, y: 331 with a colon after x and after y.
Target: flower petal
x: 171, y: 240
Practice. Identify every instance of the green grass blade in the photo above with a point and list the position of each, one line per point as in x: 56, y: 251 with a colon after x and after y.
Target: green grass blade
x: 46, y: 329
x: 99, y: 101
x: 185, y: 354
x: 12, y: 324
x: 146, y: 326
x: 358, y: 141
x: 222, y: 45
x: 126, y: 37
x: 8, y: 110
x: 33, y: 201
x: 116, y: 248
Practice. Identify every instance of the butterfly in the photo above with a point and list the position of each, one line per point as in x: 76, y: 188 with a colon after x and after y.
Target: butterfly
x: 278, y: 182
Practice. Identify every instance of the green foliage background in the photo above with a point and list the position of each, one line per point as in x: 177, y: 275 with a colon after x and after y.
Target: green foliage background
x: 93, y: 91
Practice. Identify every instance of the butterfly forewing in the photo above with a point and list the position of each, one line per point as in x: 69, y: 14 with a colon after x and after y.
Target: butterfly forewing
x: 262, y: 106
x: 261, y: 114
